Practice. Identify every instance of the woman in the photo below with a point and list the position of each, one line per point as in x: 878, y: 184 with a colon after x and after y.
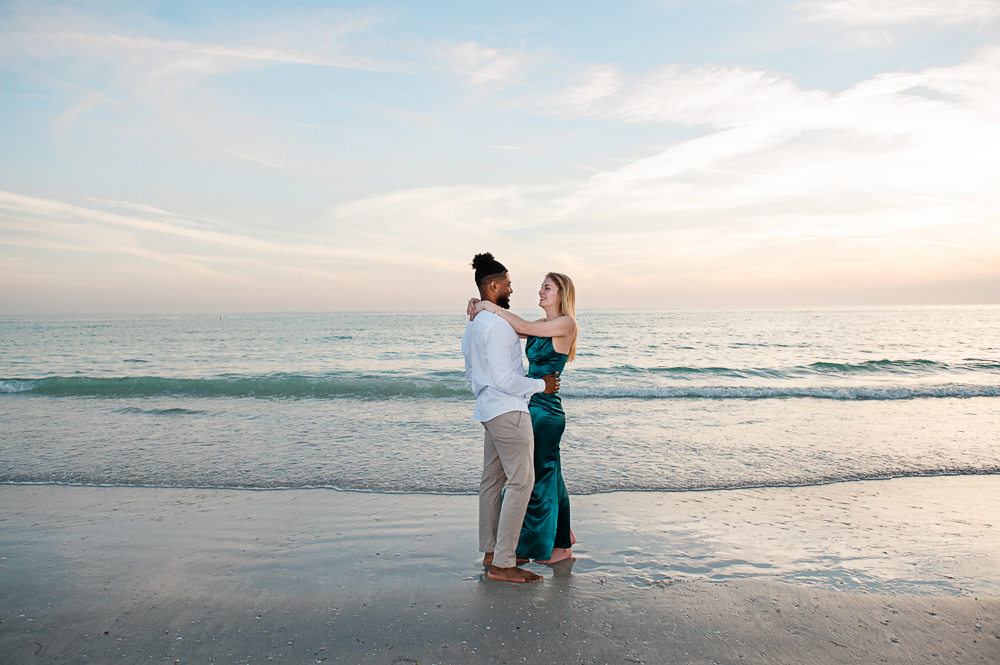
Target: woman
x: 546, y: 535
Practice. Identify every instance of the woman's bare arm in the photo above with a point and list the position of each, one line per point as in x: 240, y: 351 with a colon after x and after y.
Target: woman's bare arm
x: 564, y: 326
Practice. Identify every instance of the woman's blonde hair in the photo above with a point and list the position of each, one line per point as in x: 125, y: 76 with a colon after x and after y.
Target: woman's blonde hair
x: 567, y: 303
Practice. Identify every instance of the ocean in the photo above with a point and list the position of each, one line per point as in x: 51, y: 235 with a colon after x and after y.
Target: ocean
x: 658, y: 400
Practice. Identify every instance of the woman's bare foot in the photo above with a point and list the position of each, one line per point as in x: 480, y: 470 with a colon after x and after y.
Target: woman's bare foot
x: 572, y: 538
x: 513, y: 575
x: 558, y: 554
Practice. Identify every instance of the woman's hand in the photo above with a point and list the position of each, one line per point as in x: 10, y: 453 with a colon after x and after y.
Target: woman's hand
x: 487, y: 306
x: 476, y: 306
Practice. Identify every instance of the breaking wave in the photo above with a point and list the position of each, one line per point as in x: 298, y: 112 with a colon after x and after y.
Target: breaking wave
x: 437, y: 387
x: 393, y: 485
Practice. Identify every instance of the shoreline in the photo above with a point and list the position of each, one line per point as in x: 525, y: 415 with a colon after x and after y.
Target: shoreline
x: 387, y: 492
x: 658, y: 577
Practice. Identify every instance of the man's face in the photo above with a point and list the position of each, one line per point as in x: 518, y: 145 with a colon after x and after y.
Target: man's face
x: 504, y: 291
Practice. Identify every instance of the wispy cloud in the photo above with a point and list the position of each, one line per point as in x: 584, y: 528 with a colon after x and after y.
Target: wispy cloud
x: 595, y: 84
x: 450, y: 211
x: 149, y: 75
x: 876, y: 13
x: 710, y: 96
x: 488, y: 65
x: 90, y: 100
x: 91, y: 227
x: 256, y: 160
x: 46, y: 35
x: 893, y: 182
x: 175, y: 80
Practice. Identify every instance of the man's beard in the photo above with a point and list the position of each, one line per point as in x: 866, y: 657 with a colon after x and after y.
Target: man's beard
x: 503, y: 301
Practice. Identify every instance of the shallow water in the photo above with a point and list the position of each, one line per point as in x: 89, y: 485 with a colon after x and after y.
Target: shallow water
x: 664, y: 400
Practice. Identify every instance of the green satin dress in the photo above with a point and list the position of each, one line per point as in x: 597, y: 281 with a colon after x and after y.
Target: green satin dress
x: 546, y: 522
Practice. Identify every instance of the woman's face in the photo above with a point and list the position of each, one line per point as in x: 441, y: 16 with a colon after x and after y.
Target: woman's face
x: 548, y: 294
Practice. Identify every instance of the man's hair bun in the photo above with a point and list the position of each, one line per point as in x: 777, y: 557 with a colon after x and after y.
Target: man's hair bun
x: 482, y: 260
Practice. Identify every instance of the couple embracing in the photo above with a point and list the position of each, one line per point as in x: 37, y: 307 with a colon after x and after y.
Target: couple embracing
x: 523, y: 503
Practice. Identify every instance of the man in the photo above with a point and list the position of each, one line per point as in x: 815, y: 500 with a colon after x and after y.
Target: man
x: 493, y: 366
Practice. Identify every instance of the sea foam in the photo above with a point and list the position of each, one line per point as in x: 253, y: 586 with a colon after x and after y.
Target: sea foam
x: 383, y: 387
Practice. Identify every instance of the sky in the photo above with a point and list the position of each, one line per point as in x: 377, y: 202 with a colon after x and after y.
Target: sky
x: 318, y: 156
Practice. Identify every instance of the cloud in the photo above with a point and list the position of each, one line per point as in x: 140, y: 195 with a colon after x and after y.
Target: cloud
x: 484, y: 67
x: 890, y: 181
x: 149, y: 64
x: 90, y: 101
x: 44, y: 32
x: 711, y: 96
x: 875, y: 13
x: 864, y: 24
x: 256, y: 160
x: 872, y: 137
x: 150, y: 76
x: 973, y: 84
x: 452, y: 211
x: 734, y: 98
x: 169, y: 236
x: 154, y: 79
x: 594, y: 87
x: 127, y: 256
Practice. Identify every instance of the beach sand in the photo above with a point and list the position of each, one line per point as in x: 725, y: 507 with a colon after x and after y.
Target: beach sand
x: 894, y: 571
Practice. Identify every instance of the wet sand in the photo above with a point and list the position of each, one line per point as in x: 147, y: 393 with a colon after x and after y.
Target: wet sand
x: 889, y: 571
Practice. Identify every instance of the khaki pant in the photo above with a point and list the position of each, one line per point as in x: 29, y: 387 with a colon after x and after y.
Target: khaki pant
x: 508, y: 466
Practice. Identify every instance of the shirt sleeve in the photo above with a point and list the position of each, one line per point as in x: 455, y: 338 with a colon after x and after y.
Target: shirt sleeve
x: 508, y: 378
x: 466, y: 341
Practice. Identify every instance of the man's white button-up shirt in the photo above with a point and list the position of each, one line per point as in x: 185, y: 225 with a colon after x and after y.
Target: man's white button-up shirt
x: 493, y: 365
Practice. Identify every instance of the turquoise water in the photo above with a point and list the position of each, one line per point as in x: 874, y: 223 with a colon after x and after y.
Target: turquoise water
x: 658, y: 400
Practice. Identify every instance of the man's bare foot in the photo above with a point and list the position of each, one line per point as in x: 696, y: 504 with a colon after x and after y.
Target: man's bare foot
x: 558, y: 554
x: 572, y: 538
x: 513, y: 575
